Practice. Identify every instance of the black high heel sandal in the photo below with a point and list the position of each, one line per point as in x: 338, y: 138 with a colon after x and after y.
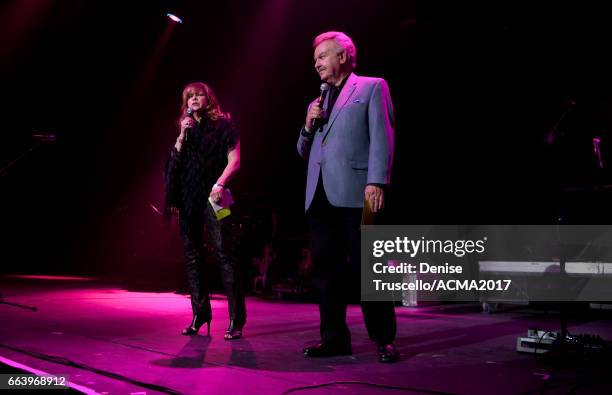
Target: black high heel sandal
x: 195, y: 326
x: 233, y: 332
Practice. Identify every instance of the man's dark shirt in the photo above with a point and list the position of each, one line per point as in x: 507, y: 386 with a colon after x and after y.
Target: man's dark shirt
x: 334, y: 92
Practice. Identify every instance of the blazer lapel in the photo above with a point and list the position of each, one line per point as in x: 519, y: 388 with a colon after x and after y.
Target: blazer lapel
x: 345, y: 95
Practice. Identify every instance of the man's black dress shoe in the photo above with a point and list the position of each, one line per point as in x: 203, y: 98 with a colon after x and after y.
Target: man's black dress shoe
x: 387, y: 353
x: 325, y: 350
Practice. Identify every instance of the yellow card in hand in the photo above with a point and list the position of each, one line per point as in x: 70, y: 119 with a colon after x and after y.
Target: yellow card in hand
x: 222, y: 207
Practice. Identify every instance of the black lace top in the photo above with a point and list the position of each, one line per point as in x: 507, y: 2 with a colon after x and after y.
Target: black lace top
x: 191, y: 173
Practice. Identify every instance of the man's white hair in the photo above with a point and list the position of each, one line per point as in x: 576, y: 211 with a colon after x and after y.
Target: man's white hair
x: 343, y: 41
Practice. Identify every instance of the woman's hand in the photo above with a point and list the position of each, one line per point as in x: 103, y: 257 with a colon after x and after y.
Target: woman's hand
x: 186, y: 123
x: 216, y: 193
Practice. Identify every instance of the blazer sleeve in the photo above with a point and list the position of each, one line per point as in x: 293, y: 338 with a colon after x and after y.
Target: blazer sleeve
x: 305, y: 142
x: 381, y: 128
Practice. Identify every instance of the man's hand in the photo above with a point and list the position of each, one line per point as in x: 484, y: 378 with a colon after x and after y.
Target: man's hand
x: 314, y: 112
x: 375, y: 196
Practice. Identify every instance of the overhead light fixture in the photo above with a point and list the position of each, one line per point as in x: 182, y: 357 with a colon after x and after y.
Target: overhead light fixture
x: 174, y: 18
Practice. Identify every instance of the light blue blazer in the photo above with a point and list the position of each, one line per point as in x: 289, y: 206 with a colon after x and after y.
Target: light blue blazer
x: 355, y: 147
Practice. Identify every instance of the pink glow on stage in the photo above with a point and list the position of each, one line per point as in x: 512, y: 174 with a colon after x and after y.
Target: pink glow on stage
x: 31, y: 370
x: 50, y: 278
x: 174, y: 18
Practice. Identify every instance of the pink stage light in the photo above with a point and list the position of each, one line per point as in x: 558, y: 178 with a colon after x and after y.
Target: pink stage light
x: 174, y: 18
x: 49, y: 277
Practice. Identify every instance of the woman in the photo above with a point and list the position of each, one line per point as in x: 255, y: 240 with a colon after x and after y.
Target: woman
x: 205, y: 158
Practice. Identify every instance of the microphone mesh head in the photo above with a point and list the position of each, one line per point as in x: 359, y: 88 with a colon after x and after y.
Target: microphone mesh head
x: 189, y: 111
x: 324, y: 87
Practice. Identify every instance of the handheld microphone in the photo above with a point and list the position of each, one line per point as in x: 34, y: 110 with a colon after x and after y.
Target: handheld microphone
x: 323, y: 88
x: 188, y: 131
x: 318, y: 122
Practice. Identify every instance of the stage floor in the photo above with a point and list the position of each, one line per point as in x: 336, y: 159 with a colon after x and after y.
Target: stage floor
x: 103, y: 329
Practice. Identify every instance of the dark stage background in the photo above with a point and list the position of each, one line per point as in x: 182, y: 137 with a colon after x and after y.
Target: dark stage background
x: 472, y: 120
x: 515, y: 93
x: 105, y: 78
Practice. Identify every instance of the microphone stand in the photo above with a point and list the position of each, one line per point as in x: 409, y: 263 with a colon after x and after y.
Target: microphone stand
x: 552, y: 139
x: 8, y: 166
x: 563, y: 345
x: 554, y: 134
x: 39, y: 139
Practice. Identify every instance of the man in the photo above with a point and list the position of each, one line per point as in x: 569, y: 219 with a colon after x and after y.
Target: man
x: 348, y: 141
